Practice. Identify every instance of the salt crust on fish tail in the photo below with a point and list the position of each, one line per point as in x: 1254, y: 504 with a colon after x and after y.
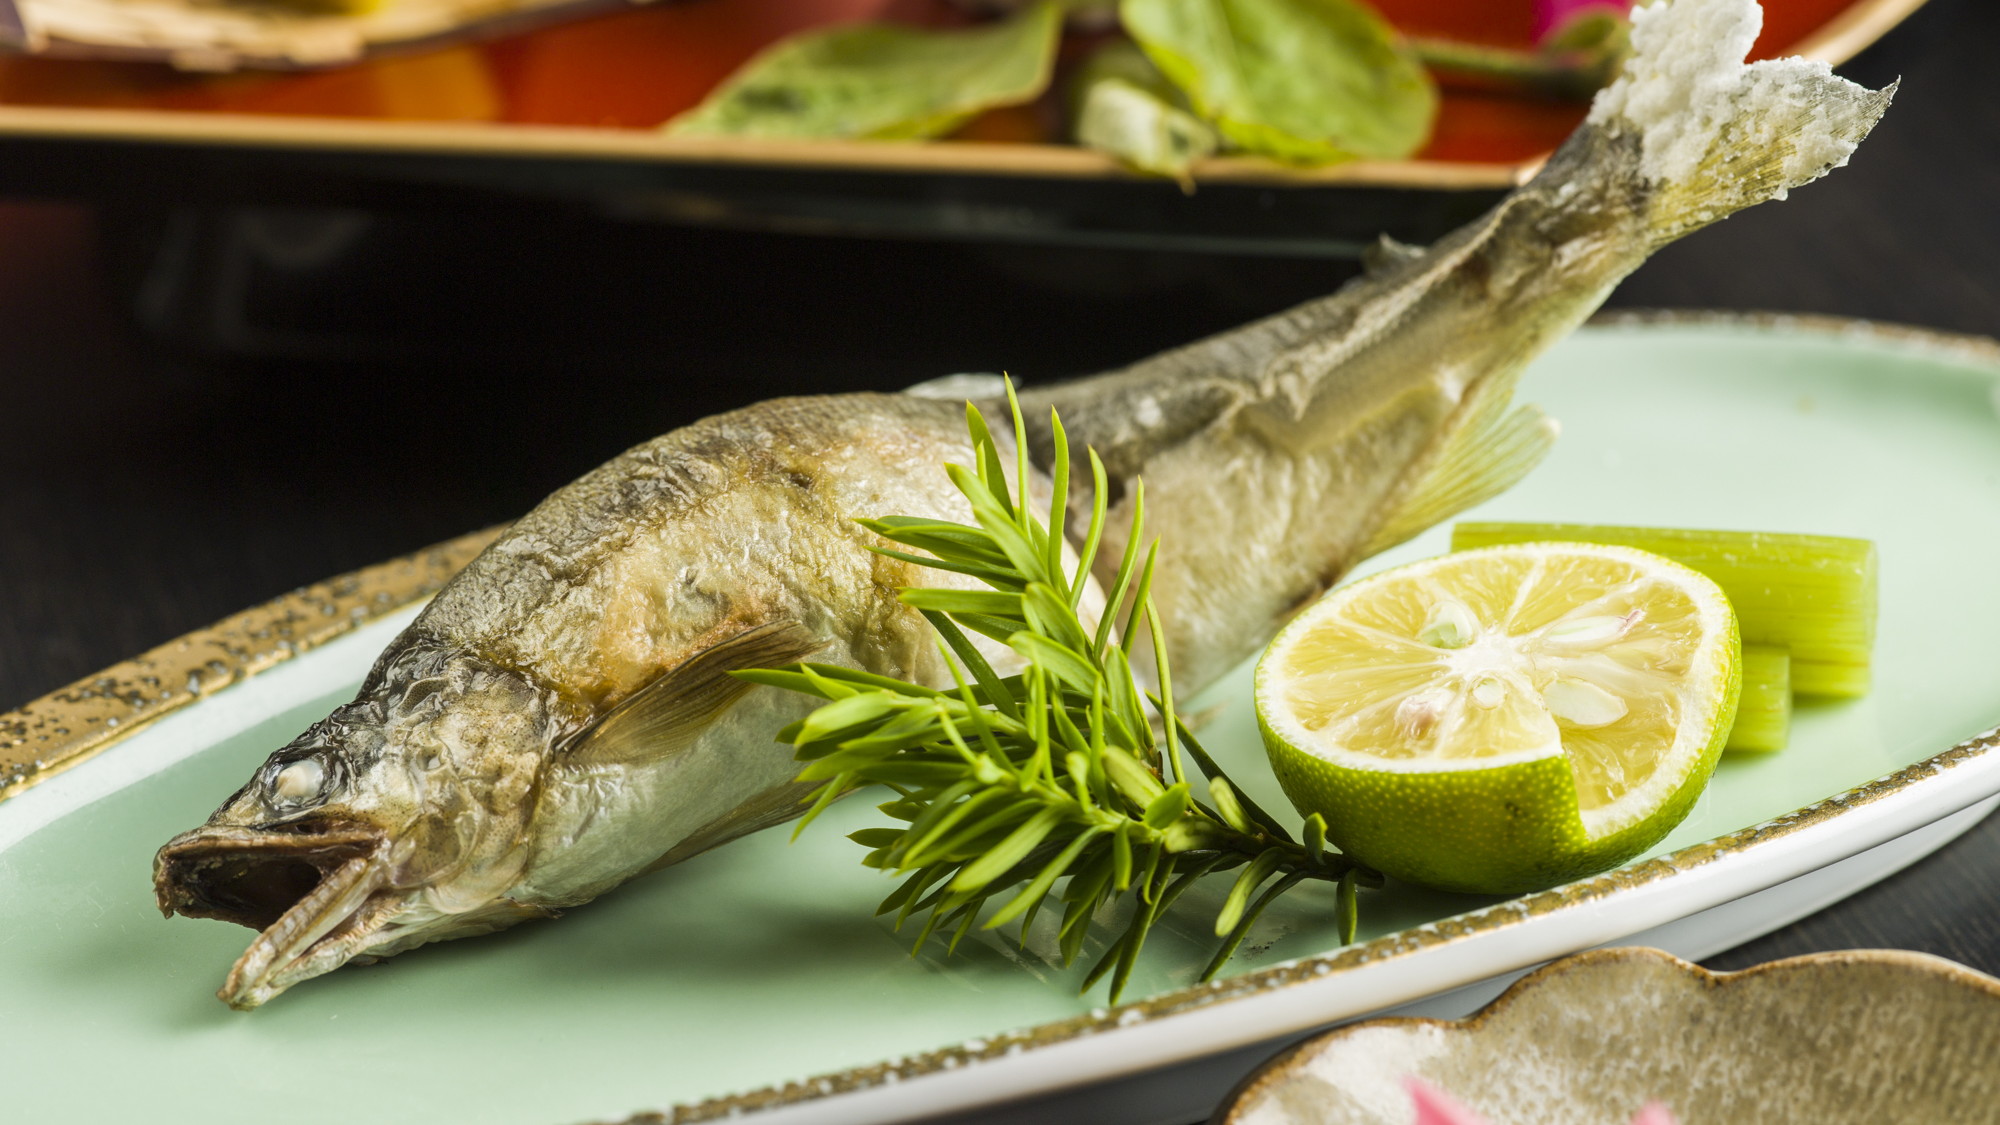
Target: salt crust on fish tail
x: 1686, y: 85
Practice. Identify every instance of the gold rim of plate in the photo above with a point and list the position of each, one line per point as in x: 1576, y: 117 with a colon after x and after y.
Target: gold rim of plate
x: 93, y: 715
x: 1836, y: 41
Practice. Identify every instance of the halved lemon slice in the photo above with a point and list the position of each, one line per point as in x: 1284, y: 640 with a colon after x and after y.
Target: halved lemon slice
x: 1506, y: 719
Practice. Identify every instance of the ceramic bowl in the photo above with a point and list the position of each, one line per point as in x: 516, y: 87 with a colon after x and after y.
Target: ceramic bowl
x: 1863, y: 1036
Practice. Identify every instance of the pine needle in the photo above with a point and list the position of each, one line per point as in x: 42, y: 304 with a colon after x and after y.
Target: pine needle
x: 1048, y: 783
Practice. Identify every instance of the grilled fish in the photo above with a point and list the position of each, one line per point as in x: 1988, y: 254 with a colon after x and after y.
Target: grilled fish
x: 560, y: 718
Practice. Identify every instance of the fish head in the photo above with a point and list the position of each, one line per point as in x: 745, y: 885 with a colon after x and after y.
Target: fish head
x: 401, y: 818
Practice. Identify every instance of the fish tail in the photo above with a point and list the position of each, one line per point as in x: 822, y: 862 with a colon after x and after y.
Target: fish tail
x: 1713, y: 134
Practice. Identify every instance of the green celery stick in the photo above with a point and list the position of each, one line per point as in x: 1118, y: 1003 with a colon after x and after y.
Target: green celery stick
x: 1764, y: 710
x: 1813, y: 595
x: 1831, y: 678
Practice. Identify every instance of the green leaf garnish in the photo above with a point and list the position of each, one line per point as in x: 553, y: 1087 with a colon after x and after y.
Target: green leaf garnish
x: 1012, y: 786
x: 1303, y: 81
x: 883, y: 81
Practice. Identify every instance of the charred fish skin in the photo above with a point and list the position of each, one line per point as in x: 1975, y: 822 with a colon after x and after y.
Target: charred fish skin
x: 728, y: 544
x: 561, y: 717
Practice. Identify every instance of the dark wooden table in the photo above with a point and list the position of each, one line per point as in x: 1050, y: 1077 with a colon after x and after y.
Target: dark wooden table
x: 169, y: 459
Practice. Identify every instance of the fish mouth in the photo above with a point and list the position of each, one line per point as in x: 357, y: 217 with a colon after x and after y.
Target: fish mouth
x: 315, y: 893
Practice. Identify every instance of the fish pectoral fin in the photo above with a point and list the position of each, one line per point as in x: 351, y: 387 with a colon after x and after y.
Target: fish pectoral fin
x: 668, y: 714
x: 1483, y: 458
x: 773, y: 806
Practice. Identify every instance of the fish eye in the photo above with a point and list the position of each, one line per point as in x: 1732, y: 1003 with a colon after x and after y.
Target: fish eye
x: 299, y: 781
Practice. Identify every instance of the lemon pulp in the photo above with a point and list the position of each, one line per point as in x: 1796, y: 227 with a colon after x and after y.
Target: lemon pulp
x: 1505, y: 718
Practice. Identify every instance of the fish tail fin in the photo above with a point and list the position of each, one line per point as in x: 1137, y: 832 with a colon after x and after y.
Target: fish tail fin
x: 1715, y: 134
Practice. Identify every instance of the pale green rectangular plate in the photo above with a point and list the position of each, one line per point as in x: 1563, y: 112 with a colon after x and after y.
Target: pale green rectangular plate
x: 726, y: 983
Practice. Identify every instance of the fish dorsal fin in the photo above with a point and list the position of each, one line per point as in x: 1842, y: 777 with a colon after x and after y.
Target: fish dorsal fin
x: 1385, y: 252
x: 1481, y: 459
x: 962, y: 386
x: 667, y: 715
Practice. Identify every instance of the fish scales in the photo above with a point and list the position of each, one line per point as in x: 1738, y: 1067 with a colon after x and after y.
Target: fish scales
x: 561, y: 717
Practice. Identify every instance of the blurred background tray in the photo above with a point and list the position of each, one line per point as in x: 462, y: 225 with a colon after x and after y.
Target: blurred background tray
x: 568, y: 115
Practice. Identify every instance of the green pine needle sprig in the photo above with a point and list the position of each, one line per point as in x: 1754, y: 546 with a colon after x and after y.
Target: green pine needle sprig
x: 1068, y: 772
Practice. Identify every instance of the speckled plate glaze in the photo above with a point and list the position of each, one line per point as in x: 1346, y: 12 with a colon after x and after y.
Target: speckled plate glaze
x: 755, y: 978
x: 1849, y: 1038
